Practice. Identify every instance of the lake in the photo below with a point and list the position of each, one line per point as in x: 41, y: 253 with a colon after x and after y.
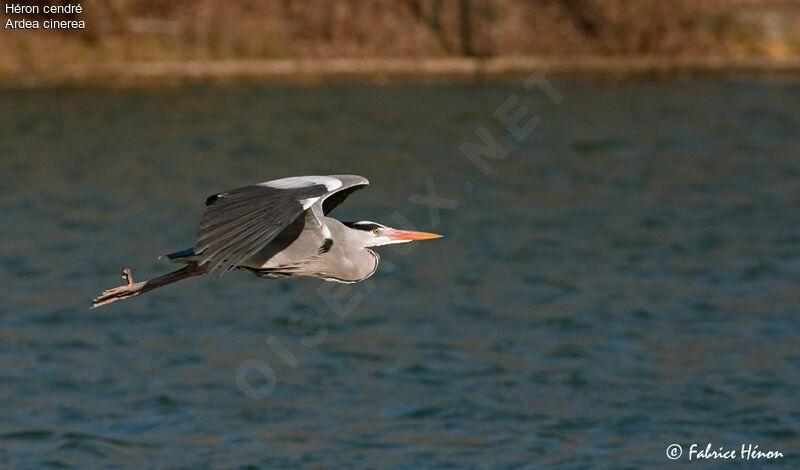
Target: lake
x: 625, y: 278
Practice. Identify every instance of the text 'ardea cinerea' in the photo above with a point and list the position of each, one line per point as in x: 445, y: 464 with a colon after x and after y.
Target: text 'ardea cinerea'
x: 279, y: 229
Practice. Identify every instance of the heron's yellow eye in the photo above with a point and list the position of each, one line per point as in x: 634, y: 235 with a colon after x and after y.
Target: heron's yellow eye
x: 376, y: 231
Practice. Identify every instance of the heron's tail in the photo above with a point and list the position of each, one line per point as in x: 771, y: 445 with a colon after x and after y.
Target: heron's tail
x: 185, y: 256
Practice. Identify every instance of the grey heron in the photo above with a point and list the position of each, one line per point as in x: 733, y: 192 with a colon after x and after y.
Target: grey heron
x: 277, y: 229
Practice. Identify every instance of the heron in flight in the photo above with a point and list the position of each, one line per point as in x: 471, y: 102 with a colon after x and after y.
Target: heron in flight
x: 278, y: 229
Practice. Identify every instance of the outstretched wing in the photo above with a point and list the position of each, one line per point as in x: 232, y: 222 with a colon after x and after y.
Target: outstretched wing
x: 240, y: 222
x: 350, y: 183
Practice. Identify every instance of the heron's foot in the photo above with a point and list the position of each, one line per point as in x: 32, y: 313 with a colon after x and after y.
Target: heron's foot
x: 130, y: 289
x: 127, y: 275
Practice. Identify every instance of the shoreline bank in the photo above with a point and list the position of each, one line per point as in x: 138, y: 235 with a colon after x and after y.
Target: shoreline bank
x: 320, y: 71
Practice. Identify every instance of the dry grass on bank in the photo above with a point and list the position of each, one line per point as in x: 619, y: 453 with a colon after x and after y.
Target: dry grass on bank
x: 120, y: 32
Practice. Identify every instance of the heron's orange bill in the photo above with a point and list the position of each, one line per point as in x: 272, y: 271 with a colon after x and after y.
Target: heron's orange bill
x: 409, y: 235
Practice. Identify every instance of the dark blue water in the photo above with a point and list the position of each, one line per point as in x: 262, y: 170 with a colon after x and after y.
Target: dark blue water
x: 624, y: 279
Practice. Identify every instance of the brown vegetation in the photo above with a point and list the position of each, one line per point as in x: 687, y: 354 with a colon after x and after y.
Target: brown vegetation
x: 124, y: 31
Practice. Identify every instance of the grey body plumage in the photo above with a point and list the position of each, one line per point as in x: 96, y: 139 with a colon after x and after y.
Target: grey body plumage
x: 276, y: 229
x: 301, y: 250
x: 280, y: 229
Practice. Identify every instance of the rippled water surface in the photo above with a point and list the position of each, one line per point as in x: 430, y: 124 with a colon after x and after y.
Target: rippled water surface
x: 626, y: 278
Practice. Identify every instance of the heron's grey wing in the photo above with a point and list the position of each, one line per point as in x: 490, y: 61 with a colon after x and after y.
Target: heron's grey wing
x: 350, y: 183
x: 240, y: 222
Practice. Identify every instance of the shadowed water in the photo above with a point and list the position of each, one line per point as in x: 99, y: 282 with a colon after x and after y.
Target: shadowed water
x: 626, y: 278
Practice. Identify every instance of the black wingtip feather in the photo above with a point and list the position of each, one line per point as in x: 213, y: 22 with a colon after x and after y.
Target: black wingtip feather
x: 210, y: 199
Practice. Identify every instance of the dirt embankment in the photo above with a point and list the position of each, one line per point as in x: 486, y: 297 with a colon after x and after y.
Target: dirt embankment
x: 139, y: 41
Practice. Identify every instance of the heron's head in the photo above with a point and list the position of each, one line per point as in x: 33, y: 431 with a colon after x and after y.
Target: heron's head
x: 375, y: 234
